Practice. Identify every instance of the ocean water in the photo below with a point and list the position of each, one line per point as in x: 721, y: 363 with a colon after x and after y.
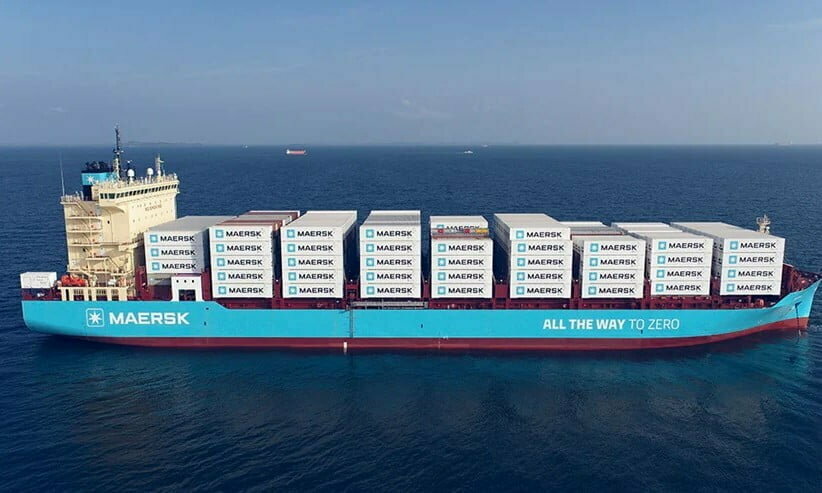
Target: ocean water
x: 743, y: 415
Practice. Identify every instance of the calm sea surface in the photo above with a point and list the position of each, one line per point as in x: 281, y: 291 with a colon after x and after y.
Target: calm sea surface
x: 745, y: 415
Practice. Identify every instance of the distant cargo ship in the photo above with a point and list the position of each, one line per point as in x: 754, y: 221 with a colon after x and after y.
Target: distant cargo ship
x: 139, y: 275
x: 296, y: 152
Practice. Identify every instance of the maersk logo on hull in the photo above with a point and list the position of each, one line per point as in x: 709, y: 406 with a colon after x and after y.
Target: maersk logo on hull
x: 96, y: 317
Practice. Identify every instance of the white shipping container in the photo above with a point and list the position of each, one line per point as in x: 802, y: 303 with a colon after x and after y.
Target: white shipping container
x: 458, y: 222
x: 462, y: 262
x: 251, y: 248
x: 239, y: 290
x: 241, y: 262
x: 188, y: 229
x: 521, y: 290
x: 386, y: 232
x: 461, y: 290
x: 462, y: 246
x: 388, y: 262
x: 538, y: 226
x: 320, y: 226
x: 729, y: 238
x: 750, y: 288
x: 750, y: 260
x: 382, y: 290
x: 612, y: 290
x: 314, y: 276
x: 245, y: 233
x: 37, y: 280
x: 175, y: 251
x: 529, y: 276
x: 243, y: 276
x: 679, y: 260
x: 312, y: 261
x: 604, y: 245
x: 611, y: 276
x: 462, y: 276
x: 174, y: 266
x: 541, y: 247
x: 294, y: 232
x: 389, y: 276
x: 680, y: 288
x: 324, y: 248
x: 674, y: 241
x: 681, y: 273
x: 315, y: 290
x: 737, y: 274
x: 622, y: 262
x: 542, y: 262
x: 174, y: 238
x: 370, y: 247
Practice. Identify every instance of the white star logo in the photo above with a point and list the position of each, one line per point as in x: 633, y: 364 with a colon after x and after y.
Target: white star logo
x: 94, y: 317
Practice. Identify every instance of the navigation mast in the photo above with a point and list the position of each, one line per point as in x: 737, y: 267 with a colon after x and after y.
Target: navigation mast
x: 764, y: 224
x: 118, y: 151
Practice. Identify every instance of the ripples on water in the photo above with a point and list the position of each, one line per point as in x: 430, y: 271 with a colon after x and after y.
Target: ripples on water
x: 738, y: 415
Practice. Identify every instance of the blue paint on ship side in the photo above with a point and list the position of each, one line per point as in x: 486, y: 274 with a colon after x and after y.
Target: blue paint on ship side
x: 146, y: 319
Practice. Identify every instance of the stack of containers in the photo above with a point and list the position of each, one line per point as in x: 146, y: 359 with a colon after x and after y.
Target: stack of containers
x: 677, y: 263
x: 178, y: 247
x: 317, y: 253
x: 539, y: 255
x: 390, y: 255
x: 461, y: 257
x: 746, y: 262
x: 243, y: 252
x: 610, y: 265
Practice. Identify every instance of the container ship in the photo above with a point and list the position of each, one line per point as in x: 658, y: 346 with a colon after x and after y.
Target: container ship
x: 139, y: 275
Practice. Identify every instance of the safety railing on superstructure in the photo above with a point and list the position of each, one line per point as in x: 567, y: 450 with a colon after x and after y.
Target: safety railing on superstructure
x: 143, y: 180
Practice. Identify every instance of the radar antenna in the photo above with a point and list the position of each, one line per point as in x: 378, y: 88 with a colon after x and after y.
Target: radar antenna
x: 764, y: 223
x: 118, y: 151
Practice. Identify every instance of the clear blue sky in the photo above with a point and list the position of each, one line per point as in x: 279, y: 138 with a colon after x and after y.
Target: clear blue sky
x: 596, y: 72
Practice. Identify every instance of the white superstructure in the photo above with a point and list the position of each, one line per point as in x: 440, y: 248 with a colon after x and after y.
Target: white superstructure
x: 105, y: 223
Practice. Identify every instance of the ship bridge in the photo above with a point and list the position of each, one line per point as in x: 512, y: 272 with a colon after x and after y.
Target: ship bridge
x: 105, y: 223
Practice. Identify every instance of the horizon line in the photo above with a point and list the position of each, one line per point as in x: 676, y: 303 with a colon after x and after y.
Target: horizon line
x: 415, y: 144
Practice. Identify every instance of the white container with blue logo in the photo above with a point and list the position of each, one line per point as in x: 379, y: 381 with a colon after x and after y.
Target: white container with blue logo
x: 179, y: 246
x: 610, y: 266
x: 538, y: 252
x: 668, y: 247
x: 747, y: 262
x: 314, y: 250
x: 390, y: 251
x: 242, y: 252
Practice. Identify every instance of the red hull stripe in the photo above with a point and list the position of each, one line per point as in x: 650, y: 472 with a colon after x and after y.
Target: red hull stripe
x: 506, y: 344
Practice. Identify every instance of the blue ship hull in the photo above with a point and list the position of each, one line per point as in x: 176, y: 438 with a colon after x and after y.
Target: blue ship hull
x: 198, y: 324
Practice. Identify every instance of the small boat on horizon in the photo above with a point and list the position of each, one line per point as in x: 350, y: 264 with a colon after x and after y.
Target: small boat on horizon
x: 296, y: 152
x: 469, y: 151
